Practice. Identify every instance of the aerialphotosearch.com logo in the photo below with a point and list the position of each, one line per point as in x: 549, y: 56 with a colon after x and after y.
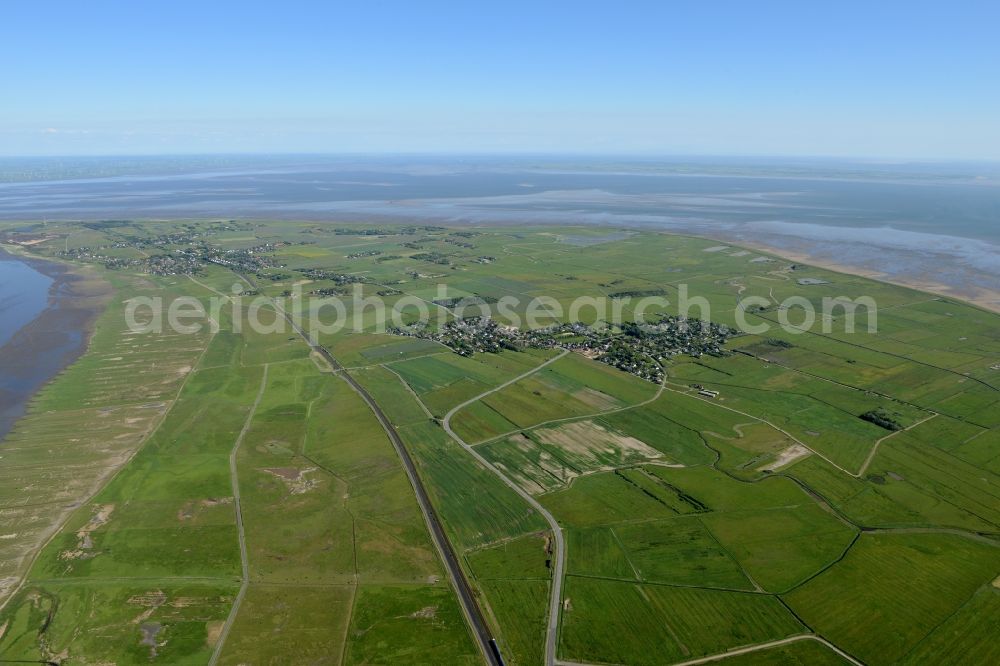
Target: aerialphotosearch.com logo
x: 318, y: 315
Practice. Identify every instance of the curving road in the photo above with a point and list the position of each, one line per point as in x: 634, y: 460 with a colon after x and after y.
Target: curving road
x: 552, y: 630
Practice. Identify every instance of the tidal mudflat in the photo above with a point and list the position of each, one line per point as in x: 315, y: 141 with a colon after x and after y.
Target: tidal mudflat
x: 46, y: 311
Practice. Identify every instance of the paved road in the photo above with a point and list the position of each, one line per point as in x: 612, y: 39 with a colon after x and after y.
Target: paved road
x: 470, y: 607
x: 560, y: 558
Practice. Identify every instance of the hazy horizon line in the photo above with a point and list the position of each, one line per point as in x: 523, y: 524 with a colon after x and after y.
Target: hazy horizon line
x: 646, y: 156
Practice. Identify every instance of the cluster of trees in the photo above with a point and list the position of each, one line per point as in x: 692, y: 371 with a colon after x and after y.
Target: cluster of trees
x: 882, y: 418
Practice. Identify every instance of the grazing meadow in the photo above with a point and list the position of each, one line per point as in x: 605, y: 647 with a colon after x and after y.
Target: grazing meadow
x: 802, y: 495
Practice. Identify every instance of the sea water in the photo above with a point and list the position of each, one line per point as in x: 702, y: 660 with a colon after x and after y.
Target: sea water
x: 24, y: 294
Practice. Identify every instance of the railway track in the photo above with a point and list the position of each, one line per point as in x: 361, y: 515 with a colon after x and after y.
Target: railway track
x: 467, y: 600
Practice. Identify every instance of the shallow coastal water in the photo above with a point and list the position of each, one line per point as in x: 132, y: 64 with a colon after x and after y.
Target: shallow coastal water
x: 24, y: 293
x: 44, y: 319
x: 933, y: 226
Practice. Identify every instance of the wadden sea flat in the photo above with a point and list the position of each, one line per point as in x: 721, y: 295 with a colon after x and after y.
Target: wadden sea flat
x: 930, y: 226
x: 24, y: 294
x: 46, y: 311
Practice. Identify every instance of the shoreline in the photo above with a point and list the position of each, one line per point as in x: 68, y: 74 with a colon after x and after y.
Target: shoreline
x: 966, y: 284
x: 40, y: 350
x: 984, y: 299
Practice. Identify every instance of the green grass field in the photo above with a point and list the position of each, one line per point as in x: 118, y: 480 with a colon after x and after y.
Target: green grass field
x: 618, y: 622
x: 891, y: 591
x: 693, y: 525
x: 572, y: 386
x: 798, y: 653
x: 334, y: 537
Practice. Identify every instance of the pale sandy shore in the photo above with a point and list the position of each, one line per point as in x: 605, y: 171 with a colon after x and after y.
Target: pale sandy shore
x: 979, y: 295
x: 913, y: 268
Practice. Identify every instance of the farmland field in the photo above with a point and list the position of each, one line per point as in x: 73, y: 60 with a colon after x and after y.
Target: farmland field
x: 238, y: 495
x: 891, y: 591
x: 618, y: 622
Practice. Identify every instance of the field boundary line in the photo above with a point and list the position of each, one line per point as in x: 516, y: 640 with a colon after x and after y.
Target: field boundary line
x: 450, y: 311
x: 349, y: 618
x: 871, y: 454
x: 680, y: 586
x: 444, y: 349
x: 827, y: 336
x: 850, y: 387
x: 822, y: 570
x: 628, y: 558
x: 647, y: 401
x: 944, y: 620
x: 410, y: 389
x: 211, y: 289
x: 751, y: 416
x: 765, y: 646
x: 988, y: 538
x: 747, y: 649
x: 476, y: 623
x: 739, y: 565
x: 244, y: 560
x: 560, y: 559
x: 101, y: 484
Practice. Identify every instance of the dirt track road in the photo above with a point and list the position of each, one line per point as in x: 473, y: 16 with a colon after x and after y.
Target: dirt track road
x: 244, y: 559
x: 467, y: 601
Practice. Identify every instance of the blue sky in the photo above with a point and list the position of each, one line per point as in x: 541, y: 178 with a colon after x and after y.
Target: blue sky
x: 879, y: 79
